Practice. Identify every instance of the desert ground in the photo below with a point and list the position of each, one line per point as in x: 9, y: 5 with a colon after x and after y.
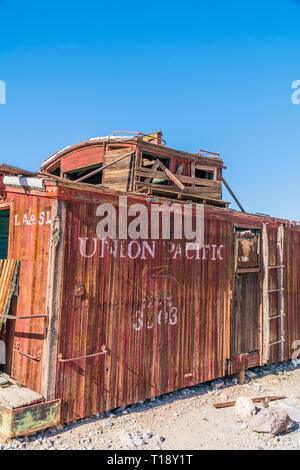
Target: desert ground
x: 182, y: 420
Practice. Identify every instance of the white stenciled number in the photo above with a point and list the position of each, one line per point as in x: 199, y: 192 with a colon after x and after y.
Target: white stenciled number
x: 166, y: 316
x: 139, y: 321
x: 173, y: 316
x: 150, y: 323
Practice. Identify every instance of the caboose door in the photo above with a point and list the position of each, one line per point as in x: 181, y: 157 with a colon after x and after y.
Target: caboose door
x: 247, y: 297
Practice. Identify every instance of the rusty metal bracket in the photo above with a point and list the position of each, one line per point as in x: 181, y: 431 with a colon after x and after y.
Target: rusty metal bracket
x: 103, y: 351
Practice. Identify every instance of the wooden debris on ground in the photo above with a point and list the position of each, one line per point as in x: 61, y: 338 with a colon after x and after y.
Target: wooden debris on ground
x: 255, y: 400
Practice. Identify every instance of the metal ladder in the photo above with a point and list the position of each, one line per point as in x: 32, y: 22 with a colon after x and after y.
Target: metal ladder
x: 279, y: 290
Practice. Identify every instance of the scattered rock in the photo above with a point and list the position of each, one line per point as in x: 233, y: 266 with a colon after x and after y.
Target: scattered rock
x: 217, y: 384
x: 148, y: 435
x: 85, y: 440
x: 244, y: 407
x: 107, y: 425
x: 292, y: 410
x: 159, y: 439
x: 138, y: 439
x: 223, y: 396
x: 250, y: 374
x: 125, y: 438
x: 59, y: 427
x: 256, y: 386
x: 273, y: 421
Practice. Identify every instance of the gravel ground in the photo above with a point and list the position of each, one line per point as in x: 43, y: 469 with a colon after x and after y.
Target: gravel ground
x: 182, y: 420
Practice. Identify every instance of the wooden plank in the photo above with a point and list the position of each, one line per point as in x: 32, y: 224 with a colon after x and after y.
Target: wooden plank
x: 171, y: 176
x: 245, y: 319
x: 265, y: 270
x: 233, y: 195
x: 144, y: 172
x: 153, y: 188
x: 117, y: 187
x: 153, y: 168
x: 255, y: 400
x: 116, y: 179
x: 9, y: 269
x: 99, y: 170
x: 197, y: 191
x: 167, y: 152
x: 53, y: 300
x: 111, y: 155
x: 9, y: 379
x: 121, y: 173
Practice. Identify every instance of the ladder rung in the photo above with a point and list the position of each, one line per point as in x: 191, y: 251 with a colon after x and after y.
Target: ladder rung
x: 275, y: 290
x: 277, y: 342
x: 276, y: 267
x: 277, y: 316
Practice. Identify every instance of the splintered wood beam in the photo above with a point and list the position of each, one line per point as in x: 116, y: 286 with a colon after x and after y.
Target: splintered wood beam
x: 9, y: 379
x: 233, y: 195
x: 154, y: 167
x: 98, y: 170
x: 158, y: 164
x: 171, y: 176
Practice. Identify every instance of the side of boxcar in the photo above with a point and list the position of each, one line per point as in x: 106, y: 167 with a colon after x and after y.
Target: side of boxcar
x: 128, y: 320
x: 161, y: 312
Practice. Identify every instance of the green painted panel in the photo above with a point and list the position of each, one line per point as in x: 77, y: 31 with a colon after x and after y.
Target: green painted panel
x: 4, y: 231
x: 35, y: 417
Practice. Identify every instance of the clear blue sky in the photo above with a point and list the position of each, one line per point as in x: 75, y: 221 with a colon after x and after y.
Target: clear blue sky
x: 214, y: 75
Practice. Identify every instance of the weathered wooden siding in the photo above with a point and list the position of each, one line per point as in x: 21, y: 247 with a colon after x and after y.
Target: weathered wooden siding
x: 246, y: 309
x: 145, y: 358
x: 292, y: 291
x: 28, y: 243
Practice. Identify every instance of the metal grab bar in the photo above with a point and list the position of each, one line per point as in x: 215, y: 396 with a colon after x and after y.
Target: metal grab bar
x: 13, y: 317
x: 34, y: 358
x: 103, y: 351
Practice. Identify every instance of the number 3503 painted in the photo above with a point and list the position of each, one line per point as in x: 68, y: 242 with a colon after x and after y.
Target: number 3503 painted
x: 167, y: 318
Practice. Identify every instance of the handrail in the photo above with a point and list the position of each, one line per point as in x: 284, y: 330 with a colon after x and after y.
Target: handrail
x: 34, y: 358
x: 103, y: 351
x: 14, y: 317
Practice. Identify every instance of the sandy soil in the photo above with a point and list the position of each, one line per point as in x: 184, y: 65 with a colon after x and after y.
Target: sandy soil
x: 182, y: 420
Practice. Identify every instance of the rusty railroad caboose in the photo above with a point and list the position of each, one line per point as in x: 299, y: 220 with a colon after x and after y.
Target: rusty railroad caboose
x: 90, y: 324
